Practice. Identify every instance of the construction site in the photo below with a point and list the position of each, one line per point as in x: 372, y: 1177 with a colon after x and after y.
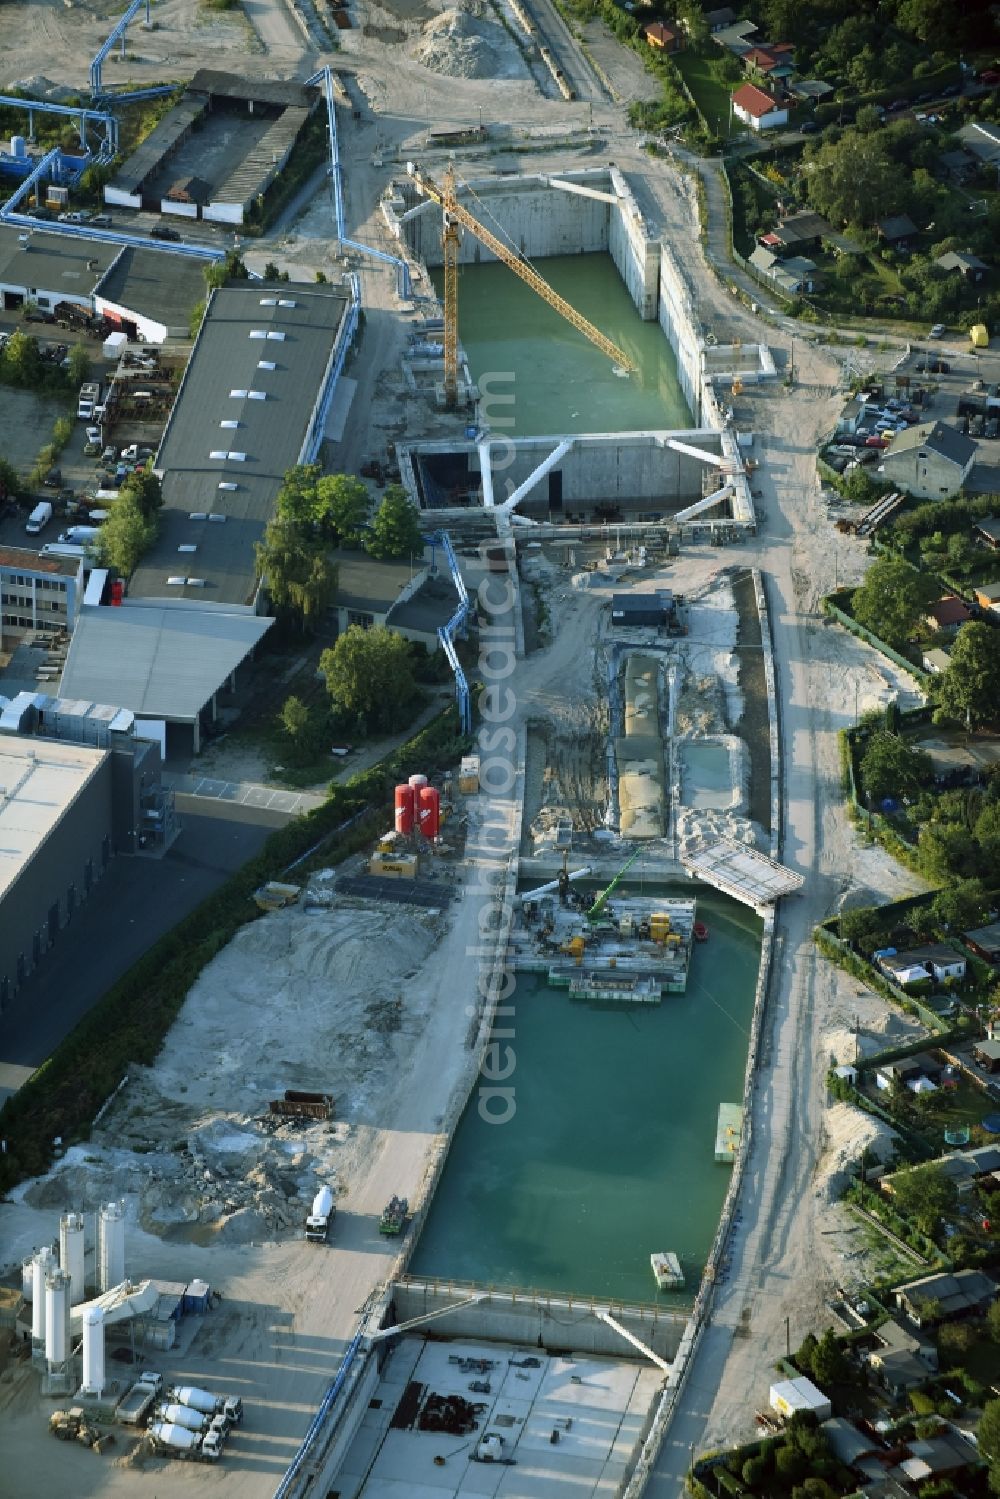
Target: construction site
x: 297, y: 1246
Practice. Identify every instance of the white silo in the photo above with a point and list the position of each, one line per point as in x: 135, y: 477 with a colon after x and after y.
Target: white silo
x: 57, y: 1285
x: 28, y: 1277
x: 71, y: 1253
x: 40, y: 1268
x: 93, y: 1351
x: 111, y: 1246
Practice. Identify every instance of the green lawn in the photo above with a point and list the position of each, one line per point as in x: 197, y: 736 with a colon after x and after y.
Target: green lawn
x: 711, y: 96
x: 951, y: 1108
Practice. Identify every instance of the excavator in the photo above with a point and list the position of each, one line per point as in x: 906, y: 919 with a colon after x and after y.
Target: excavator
x: 457, y: 216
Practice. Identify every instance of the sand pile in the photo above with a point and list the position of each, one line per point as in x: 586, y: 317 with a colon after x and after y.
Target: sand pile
x: 849, y: 1131
x: 465, y: 42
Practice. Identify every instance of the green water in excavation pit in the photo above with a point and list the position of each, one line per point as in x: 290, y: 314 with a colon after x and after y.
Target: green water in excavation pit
x: 610, y: 1154
x: 560, y: 382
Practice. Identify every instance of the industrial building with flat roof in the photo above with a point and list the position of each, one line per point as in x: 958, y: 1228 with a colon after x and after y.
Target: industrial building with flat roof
x: 38, y: 593
x: 50, y: 268
x: 251, y: 405
x: 150, y: 293
x: 246, y: 412
x: 78, y: 784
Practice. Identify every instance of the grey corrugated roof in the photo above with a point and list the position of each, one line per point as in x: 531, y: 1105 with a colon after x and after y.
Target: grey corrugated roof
x: 159, y: 660
x: 272, y: 433
x: 147, y: 157
x: 156, y: 284
x: 946, y: 441
x: 63, y: 263
x: 283, y: 93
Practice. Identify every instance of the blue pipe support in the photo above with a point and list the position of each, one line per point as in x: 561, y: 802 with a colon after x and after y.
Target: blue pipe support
x: 117, y: 34
x: 326, y: 1405
x: 455, y: 627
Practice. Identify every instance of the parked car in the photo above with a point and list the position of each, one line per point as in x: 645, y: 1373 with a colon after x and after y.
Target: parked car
x: 110, y: 454
x: 992, y: 427
x: 898, y: 104
x: 53, y: 479
x: 40, y: 213
x: 101, y: 221
x: 938, y: 331
x: 91, y: 449
x: 163, y: 231
x: 810, y: 127
x: 94, y: 434
x: 38, y: 315
x: 73, y: 217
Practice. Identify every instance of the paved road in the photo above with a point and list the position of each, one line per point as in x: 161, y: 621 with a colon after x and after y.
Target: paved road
x: 137, y: 901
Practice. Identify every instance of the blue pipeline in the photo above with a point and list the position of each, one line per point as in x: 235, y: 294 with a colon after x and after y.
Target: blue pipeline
x: 455, y: 627
x: 326, y: 1405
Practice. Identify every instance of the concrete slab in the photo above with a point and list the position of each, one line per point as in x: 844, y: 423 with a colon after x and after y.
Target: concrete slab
x: 594, y: 1406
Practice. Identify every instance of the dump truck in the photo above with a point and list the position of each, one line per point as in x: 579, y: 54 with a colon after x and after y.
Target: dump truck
x: 319, y: 1220
x: 299, y: 1105
x: 274, y: 895
x: 132, y: 1409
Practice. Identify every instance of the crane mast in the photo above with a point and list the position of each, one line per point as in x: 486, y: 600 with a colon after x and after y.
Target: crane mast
x: 455, y: 214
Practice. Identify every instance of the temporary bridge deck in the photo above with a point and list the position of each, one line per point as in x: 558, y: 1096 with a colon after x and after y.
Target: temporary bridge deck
x: 740, y: 871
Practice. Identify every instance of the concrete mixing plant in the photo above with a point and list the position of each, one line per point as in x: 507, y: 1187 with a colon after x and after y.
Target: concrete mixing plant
x: 111, y: 1246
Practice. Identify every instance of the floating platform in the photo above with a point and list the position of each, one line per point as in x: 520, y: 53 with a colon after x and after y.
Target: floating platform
x: 637, y: 949
x: 608, y: 985
x: 729, y: 1132
x: 667, y: 1271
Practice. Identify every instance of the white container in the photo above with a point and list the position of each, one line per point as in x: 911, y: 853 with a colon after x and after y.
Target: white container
x: 111, y: 1246
x: 56, y: 1317
x: 93, y: 1350
x: 71, y: 1253
x: 40, y: 1268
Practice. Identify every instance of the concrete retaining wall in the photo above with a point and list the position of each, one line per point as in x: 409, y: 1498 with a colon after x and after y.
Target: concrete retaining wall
x: 536, y: 1318
x: 681, y: 325
x: 636, y: 256
x: 769, y: 954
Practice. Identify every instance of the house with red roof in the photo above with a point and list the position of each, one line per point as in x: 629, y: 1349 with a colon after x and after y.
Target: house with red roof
x: 759, y: 110
x: 660, y: 36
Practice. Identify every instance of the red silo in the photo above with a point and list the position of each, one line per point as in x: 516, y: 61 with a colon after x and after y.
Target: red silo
x: 404, y: 810
x: 429, y: 811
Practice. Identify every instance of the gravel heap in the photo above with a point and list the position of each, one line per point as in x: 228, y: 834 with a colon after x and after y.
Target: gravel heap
x: 465, y: 42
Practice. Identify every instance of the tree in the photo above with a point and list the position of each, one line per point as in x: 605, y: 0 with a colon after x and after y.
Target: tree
x: 195, y: 320
x: 988, y: 1433
x: 229, y: 269
x: 867, y: 120
x: 892, y: 768
x: 806, y: 1352
x: 988, y: 832
x: 300, y: 577
x: 21, y: 362
x: 969, y: 687
x: 79, y: 365
x: 396, y: 527
x: 993, y: 1321
x: 891, y: 600
x: 853, y: 180
x: 333, y: 505
x: 369, y: 673
x: 146, y: 490
x: 343, y: 507
x: 924, y: 1195
x: 861, y: 924
x: 294, y: 718
x: 945, y: 849
x: 829, y: 1364
x: 961, y: 905
x: 125, y: 536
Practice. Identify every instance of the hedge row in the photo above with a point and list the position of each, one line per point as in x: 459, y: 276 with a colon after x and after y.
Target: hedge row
x: 130, y: 1023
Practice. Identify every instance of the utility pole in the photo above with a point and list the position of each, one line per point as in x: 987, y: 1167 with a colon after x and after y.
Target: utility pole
x: 788, y: 1337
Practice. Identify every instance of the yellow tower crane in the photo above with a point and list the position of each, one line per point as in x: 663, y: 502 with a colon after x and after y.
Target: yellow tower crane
x: 455, y: 215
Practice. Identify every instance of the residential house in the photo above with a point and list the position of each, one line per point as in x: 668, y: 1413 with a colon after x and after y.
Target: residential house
x: 791, y: 276
x: 988, y: 596
x: 963, y: 1167
x: 910, y: 1071
x: 799, y: 231
x: 662, y: 37
x: 773, y: 65
x: 811, y: 90
x: 897, y: 231
x: 930, y: 461
x: 965, y: 263
x: 983, y: 140
x: 941, y: 961
x: 957, y: 166
x: 737, y: 38
x: 847, y: 1444
x: 948, y: 615
x: 945, y: 1297
x: 987, y: 1054
x: 985, y: 942
x: 903, y: 1360
x: 935, y: 661
x: 717, y: 20
x: 936, y: 1457
x: 988, y: 530
x: 759, y: 110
